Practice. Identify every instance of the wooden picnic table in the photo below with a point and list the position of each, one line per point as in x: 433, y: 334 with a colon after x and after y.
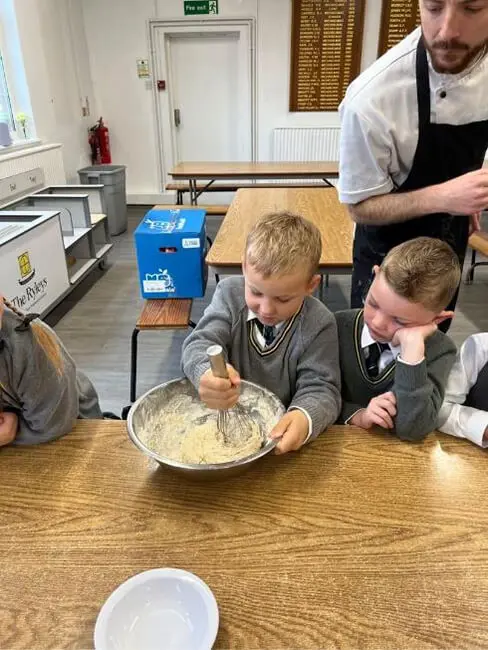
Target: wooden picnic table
x: 210, y: 172
x: 357, y: 541
x: 320, y: 205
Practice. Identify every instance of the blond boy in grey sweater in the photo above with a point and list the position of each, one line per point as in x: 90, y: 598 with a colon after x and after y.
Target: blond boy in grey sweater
x: 273, y: 331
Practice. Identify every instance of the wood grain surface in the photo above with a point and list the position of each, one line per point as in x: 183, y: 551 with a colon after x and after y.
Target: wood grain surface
x: 166, y: 313
x: 319, y: 205
x: 263, y: 170
x: 357, y: 541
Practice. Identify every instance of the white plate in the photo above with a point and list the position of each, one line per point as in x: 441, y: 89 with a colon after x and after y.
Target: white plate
x: 160, y: 609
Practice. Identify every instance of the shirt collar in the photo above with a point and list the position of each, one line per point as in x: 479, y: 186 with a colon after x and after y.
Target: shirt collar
x: 252, y: 316
x: 367, y: 340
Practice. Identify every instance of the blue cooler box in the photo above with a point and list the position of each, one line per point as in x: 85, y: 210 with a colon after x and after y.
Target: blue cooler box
x: 170, y: 248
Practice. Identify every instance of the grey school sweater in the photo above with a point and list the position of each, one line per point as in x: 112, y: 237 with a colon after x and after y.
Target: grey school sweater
x: 419, y: 389
x: 47, y: 404
x: 301, y: 366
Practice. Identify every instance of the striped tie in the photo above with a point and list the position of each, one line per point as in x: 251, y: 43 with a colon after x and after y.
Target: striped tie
x: 268, y: 332
x: 373, y: 358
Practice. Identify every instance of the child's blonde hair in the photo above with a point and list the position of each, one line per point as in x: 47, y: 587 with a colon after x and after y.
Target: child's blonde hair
x: 281, y: 243
x: 423, y: 270
x: 43, y: 337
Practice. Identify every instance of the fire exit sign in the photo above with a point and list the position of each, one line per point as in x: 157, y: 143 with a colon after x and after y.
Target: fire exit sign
x: 193, y: 7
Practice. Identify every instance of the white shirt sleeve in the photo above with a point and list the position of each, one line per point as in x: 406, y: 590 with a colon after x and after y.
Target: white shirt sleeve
x: 454, y: 418
x: 408, y: 363
x: 364, y: 157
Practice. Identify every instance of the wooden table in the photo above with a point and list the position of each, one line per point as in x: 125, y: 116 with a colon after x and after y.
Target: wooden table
x: 319, y: 205
x: 232, y: 171
x: 358, y: 541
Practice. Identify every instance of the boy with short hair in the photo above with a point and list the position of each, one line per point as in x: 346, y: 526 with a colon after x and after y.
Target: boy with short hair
x: 464, y: 413
x: 273, y: 331
x: 394, y: 360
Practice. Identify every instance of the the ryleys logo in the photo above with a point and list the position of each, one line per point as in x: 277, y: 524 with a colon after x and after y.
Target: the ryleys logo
x: 33, y: 292
x: 25, y: 268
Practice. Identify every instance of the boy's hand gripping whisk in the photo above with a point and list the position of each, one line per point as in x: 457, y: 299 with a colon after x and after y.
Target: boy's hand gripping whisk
x: 234, y: 424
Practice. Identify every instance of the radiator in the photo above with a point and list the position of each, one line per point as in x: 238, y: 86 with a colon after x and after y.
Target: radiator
x: 306, y: 144
x: 47, y: 157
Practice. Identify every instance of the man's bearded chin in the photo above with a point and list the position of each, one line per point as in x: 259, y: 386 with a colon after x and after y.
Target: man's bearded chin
x: 462, y: 55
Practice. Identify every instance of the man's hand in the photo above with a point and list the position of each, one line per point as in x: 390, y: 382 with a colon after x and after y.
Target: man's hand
x: 466, y: 194
x: 380, y: 411
x: 9, y: 423
x: 217, y: 393
x: 293, y: 431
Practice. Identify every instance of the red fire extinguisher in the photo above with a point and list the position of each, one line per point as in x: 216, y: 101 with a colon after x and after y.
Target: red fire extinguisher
x: 99, y: 141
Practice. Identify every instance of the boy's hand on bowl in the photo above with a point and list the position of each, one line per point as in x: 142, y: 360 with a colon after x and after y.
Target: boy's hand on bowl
x: 9, y: 423
x: 293, y: 431
x: 218, y: 393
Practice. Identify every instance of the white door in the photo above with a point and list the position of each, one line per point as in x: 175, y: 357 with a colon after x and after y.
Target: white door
x: 208, y: 70
x: 208, y: 123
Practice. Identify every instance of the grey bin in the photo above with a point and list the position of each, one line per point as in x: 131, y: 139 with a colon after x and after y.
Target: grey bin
x: 112, y: 177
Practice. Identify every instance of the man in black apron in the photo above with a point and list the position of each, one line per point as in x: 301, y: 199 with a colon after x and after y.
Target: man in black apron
x: 444, y: 152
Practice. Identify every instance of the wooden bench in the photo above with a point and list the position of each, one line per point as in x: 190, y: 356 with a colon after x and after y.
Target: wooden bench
x: 162, y: 314
x: 478, y: 242
x: 181, y: 187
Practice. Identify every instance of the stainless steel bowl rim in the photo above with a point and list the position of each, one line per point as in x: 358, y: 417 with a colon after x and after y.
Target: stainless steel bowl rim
x: 269, y: 446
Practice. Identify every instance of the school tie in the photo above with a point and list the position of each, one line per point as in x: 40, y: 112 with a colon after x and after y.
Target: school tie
x: 373, y: 357
x: 268, y: 332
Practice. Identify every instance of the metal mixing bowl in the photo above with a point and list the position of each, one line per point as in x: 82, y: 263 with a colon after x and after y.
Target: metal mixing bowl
x: 261, y: 405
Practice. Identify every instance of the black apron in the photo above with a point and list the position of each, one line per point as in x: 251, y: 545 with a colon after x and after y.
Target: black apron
x: 444, y: 151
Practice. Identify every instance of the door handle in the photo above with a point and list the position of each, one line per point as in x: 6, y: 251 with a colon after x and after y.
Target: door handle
x: 177, y: 117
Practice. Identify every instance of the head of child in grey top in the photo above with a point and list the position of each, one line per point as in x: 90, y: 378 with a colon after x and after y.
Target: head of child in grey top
x: 280, y: 264
x: 412, y: 287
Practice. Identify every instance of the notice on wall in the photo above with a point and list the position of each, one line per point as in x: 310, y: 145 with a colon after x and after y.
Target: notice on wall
x: 398, y: 18
x: 326, y: 48
x: 143, y: 69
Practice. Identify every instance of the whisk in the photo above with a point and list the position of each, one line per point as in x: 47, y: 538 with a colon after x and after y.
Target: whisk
x: 240, y: 417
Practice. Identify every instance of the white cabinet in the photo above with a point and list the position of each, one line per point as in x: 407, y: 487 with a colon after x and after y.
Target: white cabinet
x: 82, y: 236
x: 20, y: 184
x: 33, y: 270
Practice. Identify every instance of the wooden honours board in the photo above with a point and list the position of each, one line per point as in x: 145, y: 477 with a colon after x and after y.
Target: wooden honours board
x: 326, y: 48
x: 398, y: 18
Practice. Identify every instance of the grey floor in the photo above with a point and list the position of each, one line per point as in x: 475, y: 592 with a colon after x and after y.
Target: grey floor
x: 96, y: 321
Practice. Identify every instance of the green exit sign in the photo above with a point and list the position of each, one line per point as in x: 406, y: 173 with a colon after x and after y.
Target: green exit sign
x: 194, y: 7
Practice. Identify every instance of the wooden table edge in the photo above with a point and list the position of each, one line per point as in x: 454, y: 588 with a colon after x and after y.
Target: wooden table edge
x: 254, y: 176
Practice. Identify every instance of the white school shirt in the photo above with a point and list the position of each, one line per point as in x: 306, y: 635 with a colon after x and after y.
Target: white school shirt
x: 454, y: 418
x: 379, y: 118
